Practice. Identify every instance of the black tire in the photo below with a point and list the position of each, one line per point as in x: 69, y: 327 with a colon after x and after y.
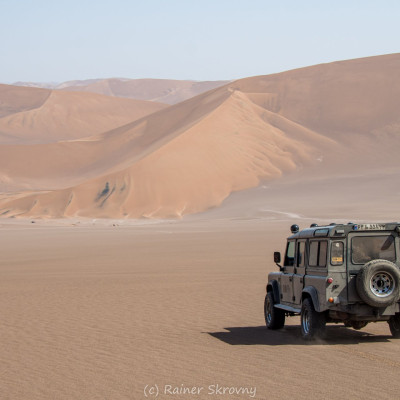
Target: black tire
x: 274, y: 317
x: 313, y: 323
x: 378, y: 283
x: 394, y: 325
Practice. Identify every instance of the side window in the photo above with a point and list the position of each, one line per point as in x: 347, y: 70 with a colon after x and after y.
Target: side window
x: 318, y: 253
x: 337, y: 250
x: 301, y: 254
x: 313, y: 262
x: 323, y: 251
x: 289, y: 256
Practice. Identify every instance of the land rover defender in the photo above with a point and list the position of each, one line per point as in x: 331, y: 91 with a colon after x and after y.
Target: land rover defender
x: 341, y: 273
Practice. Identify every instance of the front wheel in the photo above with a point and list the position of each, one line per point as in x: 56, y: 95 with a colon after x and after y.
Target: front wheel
x: 274, y: 317
x: 312, y: 322
x: 394, y: 325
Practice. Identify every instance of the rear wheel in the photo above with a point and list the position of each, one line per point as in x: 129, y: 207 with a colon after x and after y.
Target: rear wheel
x: 394, y: 325
x: 312, y: 322
x: 274, y: 317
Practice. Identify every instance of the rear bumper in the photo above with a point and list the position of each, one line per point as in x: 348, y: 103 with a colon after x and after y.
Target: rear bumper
x: 363, y: 312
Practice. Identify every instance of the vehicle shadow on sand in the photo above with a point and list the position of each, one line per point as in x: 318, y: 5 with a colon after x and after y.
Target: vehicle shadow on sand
x: 291, y: 335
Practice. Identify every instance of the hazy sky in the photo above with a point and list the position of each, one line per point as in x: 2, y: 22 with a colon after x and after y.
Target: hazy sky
x: 51, y: 40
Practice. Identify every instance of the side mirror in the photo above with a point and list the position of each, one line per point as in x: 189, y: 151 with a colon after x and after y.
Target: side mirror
x: 277, y: 257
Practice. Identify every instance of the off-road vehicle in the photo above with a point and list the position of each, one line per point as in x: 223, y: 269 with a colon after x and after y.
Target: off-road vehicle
x: 341, y: 273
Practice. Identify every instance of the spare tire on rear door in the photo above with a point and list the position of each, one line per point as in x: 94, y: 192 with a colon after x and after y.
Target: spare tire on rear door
x: 378, y: 283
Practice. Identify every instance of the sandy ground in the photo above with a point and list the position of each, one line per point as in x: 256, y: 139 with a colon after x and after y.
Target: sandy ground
x: 96, y: 311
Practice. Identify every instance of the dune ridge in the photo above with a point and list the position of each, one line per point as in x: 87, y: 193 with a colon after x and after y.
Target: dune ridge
x: 33, y: 116
x: 191, y: 156
x: 236, y: 132
x: 49, y: 166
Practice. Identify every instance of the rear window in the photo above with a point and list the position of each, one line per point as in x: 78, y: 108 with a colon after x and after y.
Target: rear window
x: 337, y: 253
x: 367, y: 248
x: 301, y: 252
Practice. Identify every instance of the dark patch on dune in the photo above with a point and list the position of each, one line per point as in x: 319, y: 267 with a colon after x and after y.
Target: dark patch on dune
x: 105, y: 194
x: 70, y: 199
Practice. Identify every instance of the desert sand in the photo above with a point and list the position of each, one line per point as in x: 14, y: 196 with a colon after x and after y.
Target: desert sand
x: 99, y: 309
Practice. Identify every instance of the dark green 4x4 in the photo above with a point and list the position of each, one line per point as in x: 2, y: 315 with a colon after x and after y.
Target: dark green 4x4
x: 338, y: 273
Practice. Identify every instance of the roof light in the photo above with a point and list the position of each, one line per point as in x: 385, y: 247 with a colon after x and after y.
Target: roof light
x: 294, y: 228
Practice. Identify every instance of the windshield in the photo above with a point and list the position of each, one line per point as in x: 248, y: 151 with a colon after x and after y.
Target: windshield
x: 367, y: 248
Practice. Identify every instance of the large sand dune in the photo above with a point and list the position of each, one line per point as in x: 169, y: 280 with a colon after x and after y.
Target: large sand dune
x: 182, y: 169
x: 62, y: 164
x: 331, y: 118
x: 30, y: 115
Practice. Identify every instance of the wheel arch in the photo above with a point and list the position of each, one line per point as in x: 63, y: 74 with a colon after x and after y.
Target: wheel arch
x: 311, y: 292
x: 273, y: 287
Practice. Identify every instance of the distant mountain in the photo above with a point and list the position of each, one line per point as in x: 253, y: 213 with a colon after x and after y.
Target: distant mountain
x: 56, y: 85
x: 42, y: 85
x: 332, y: 119
x: 160, y: 90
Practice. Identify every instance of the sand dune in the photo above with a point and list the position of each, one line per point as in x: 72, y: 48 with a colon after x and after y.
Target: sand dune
x: 62, y: 164
x: 15, y: 100
x: 31, y: 115
x: 229, y: 149
x: 188, y: 158
x: 337, y: 99
x: 167, y: 91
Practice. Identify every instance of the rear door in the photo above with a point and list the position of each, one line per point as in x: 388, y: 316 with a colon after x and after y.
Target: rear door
x: 365, y: 247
